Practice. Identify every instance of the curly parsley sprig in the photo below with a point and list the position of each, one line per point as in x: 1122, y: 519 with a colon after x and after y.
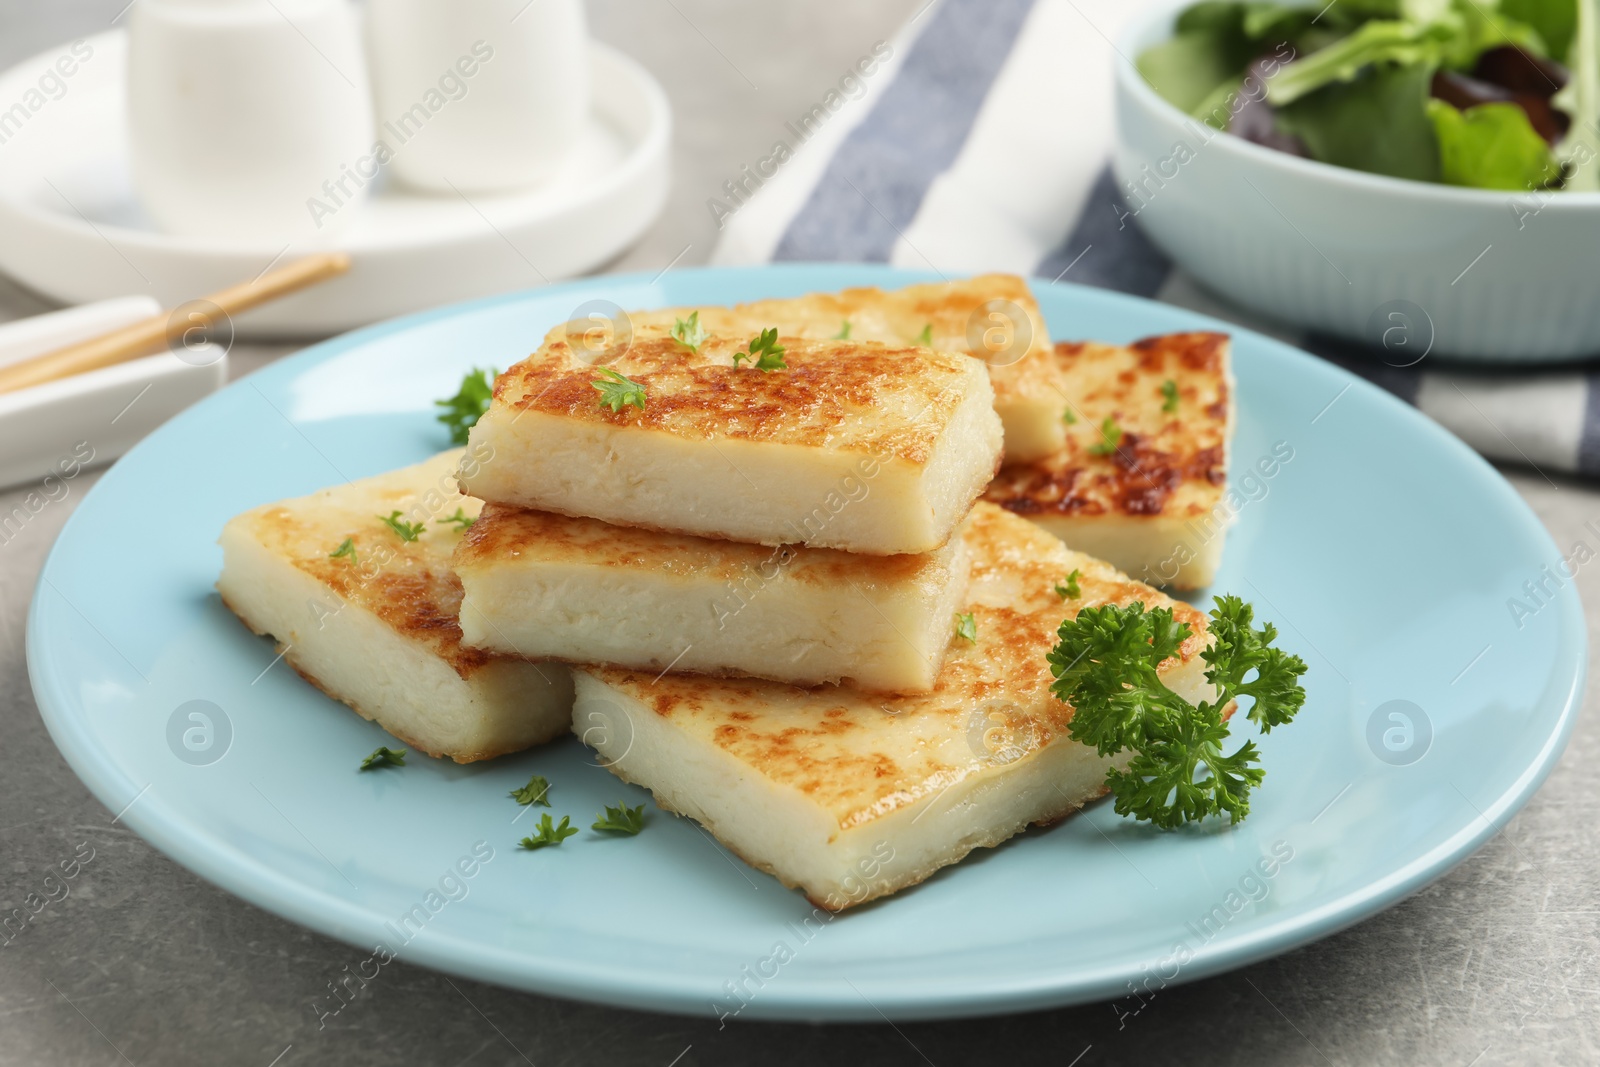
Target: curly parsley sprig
x: 1105, y: 664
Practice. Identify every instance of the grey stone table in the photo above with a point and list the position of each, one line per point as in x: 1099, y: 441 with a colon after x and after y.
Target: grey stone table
x: 144, y: 963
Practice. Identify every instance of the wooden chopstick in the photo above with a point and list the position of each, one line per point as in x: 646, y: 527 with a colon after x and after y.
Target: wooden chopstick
x: 152, y: 335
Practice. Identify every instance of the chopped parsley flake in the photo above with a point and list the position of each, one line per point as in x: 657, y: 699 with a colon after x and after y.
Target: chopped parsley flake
x: 688, y: 332
x: 384, y: 756
x: 535, y: 792
x: 406, y: 531
x: 1169, y: 390
x: 765, y: 351
x: 617, y: 392
x: 621, y: 820
x: 1110, y: 439
x: 549, y: 833
x: 460, y: 518
x: 1069, y: 589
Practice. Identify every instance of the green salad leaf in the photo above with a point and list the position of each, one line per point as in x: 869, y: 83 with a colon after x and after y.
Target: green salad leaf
x: 1188, y: 68
x: 1491, y: 146
x: 1396, y: 42
x: 1377, y: 123
x: 1581, y: 100
x: 1352, y: 84
x: 1556, y: 21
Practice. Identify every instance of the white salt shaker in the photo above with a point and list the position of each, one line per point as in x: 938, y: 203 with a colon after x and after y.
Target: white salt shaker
x: 248, y: 118
x: 478, y: 95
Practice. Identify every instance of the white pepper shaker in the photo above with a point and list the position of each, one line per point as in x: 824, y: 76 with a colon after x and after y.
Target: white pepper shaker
x: 478, y: 95
x: 246, y: 117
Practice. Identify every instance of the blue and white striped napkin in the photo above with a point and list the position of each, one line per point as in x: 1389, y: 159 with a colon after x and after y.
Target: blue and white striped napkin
x: 982, y: 141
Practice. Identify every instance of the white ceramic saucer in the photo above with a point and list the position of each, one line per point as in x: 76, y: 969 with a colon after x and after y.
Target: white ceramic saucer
x: 71, y: 228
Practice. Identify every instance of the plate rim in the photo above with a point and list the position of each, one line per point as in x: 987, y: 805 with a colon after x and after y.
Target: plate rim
x: 798, y: 998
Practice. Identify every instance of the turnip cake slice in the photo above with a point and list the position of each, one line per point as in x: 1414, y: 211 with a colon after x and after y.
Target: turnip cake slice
x: 992, y: 317
x: 862, y: 447
x: 851, y: 796
x: 1142, y: 480
x: 580, y: 590
x: 365, y: 609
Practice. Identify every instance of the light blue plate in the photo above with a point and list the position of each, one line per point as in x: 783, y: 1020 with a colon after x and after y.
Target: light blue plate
x: 1385, y: 550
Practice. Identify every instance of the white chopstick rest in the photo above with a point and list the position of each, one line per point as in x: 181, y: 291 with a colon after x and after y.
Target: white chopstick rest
x: 56, y: 430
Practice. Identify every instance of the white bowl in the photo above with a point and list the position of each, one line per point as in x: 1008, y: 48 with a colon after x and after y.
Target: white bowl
x: 1409, y: 266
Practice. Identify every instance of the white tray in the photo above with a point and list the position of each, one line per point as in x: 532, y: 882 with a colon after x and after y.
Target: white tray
x: 70, y: 226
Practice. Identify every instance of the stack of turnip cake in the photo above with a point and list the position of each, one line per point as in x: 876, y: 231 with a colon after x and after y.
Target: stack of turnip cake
x: 745, y: 557
x: 789, y: 618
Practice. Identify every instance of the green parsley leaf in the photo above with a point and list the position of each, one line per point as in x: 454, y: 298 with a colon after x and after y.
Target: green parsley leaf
x: 1491, y: 146
x: 384, y: 756
x: 1238, y: 650
x: 1069, y: 590
x: 617, y: 391
x: 1169, y: 390
x: 462, y: 520
x: 549, y: 833
x: 535, y: 792
x: 765, y: 351
x: 844, y: 331
x: 688, y: 332
x: 621, y: 820
x: 1069, y: 418
x: 925, y: 338
x: 462, y: 411
x: 406, y: 531
x: 1110, y: 438
x: 1106, y: 665
x: 346, y: 548
x: 967, y: 626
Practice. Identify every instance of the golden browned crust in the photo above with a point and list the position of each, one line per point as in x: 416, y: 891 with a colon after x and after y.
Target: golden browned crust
x: 504, y: 533
x: 889, y: 400
x: 1167, y: 463
x: 1021, y: 369
x: 409, y: 585
x: 821, y: 741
